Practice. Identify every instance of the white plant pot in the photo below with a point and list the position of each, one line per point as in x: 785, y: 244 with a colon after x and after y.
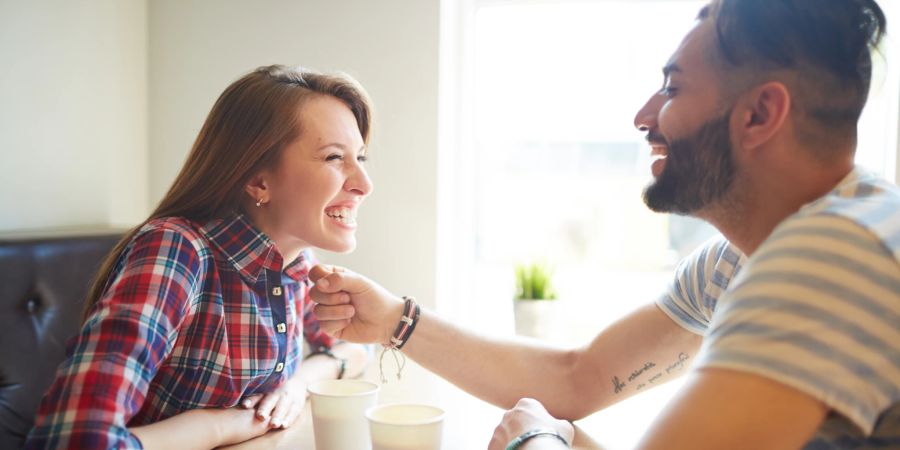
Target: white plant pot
x: 536, y: 318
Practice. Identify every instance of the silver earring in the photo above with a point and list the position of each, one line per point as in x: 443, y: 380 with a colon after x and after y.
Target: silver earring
x: 259, y: 203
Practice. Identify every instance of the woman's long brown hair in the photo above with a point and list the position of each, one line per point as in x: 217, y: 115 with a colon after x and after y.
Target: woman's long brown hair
x: 249, y: 125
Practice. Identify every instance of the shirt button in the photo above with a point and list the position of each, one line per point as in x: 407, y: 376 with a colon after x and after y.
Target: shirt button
x: 276, y: 291
x: 279, y: 367
x: 281, y: 327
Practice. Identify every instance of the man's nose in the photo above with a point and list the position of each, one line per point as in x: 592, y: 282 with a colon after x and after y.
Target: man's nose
x: 645, y: 119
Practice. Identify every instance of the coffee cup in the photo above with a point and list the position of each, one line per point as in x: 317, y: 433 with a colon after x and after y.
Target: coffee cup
x: 338, y: 413
x: 405, y: 426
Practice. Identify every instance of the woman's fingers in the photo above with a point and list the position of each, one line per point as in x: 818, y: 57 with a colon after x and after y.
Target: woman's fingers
x: 267, y: 404
x: 251, y: 401
x: 281, y: 410
x: 292, y: 415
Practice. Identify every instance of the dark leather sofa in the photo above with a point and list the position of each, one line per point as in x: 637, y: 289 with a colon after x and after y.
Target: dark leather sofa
x: 44, y: 280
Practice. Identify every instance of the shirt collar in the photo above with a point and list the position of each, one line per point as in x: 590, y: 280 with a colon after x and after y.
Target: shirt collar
x: 250, y: 251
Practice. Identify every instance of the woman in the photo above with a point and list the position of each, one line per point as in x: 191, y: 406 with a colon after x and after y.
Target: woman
x: 201, y: 308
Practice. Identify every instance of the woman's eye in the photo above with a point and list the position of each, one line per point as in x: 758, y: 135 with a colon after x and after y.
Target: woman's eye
x: 334, y: 157
x: 362, y: 158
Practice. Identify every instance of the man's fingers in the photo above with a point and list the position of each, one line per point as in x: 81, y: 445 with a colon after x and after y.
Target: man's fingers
x: 334, y: 328
x: 338, y: 280
x: 330, y: 299
x: 318, y: 271
x: 336, y: 312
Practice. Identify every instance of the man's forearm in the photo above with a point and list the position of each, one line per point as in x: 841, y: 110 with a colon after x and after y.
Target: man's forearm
x: 640, y: 351
x: 499, y: 371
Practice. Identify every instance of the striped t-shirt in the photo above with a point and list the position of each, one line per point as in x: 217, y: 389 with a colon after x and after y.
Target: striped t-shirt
x: 817, y: 307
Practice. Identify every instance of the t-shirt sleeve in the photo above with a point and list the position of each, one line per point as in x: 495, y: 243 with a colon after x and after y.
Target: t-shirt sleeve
x: 685, y: 300
x: 817, y: 308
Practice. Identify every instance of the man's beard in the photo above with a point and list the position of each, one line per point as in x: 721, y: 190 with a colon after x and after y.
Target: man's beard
x: 699, y: 170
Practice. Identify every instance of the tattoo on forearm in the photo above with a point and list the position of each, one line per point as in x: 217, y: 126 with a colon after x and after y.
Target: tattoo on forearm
x: 677, y: 365
x: 618, y: 384
x: 634, y: 375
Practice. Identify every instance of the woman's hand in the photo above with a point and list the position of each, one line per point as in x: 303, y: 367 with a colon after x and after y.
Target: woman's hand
x: 353, y: 308
x: 529, y: 414
x: 236, y: 425
x: 281, y: 407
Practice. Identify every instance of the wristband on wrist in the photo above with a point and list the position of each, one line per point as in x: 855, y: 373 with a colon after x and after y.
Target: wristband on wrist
x: 407, y: 323
x: 531, y: 434
x: 401, y: 335
x: 327, y: 352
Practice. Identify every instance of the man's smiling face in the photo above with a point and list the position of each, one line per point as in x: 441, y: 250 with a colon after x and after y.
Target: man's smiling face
x: 688, y: 130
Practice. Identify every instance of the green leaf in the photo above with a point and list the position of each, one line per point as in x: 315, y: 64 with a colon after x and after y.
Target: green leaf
x: 534, y: 281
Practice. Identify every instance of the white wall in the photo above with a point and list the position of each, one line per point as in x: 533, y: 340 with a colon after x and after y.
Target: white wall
x: 73, y: 113
x: 100, y: 101
x: 198, y: 47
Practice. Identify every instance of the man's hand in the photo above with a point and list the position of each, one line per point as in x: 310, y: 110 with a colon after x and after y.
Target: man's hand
x: 353, y: 308
x: 527, y: 415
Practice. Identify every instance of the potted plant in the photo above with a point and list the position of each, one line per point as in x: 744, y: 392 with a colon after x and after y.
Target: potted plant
x: 534, y: 305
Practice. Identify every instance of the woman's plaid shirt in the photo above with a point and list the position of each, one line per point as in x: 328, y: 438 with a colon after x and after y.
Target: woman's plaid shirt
x: 196, y: 316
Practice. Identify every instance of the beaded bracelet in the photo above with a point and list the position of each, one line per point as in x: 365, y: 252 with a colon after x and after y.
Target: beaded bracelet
x: 522, y: 438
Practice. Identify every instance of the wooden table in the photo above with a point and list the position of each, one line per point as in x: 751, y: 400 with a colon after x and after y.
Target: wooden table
x: 468, y: 424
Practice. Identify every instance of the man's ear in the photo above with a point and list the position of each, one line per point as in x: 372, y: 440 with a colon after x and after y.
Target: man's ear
x: 761, y: 114
x: 257, y: 188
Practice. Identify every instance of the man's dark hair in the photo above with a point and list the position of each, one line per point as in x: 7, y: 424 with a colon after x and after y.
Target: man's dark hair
x: 826, y: 44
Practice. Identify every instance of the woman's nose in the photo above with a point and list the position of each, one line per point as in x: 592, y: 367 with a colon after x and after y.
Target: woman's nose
x: 359, y: 182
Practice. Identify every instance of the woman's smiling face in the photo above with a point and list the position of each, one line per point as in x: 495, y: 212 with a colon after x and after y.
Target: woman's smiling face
x: 318, y: 183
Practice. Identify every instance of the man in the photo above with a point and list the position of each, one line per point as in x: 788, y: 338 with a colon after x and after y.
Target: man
x: 791, y: 322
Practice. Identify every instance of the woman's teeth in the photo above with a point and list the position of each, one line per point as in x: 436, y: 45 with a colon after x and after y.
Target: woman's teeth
x: 343, y: 215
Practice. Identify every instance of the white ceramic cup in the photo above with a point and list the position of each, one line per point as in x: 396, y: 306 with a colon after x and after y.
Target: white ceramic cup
x: 403, y: 426
x: 338, y: 411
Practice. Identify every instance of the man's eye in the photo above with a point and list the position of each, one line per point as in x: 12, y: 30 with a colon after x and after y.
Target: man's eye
x: 668, y: 91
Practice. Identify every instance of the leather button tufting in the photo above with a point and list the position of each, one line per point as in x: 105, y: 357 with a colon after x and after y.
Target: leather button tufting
x: 32, y: 305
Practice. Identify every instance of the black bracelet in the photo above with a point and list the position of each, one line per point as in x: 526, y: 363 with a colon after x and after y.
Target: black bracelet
x: 411, y: 327
x: 530, y: 434
x: 327, y: 352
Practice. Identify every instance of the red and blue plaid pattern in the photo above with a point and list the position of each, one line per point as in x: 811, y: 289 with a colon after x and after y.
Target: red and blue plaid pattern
x: 195, y: 316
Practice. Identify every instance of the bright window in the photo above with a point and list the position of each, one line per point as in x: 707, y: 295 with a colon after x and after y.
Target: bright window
x: 541, y: 161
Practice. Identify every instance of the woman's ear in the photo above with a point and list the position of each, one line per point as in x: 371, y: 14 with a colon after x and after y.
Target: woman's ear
x: 761, y: 114
x: 257, y: 188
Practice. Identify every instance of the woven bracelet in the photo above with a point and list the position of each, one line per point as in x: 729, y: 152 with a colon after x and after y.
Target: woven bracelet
x: 530, y: 434
x: 407, y: 323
